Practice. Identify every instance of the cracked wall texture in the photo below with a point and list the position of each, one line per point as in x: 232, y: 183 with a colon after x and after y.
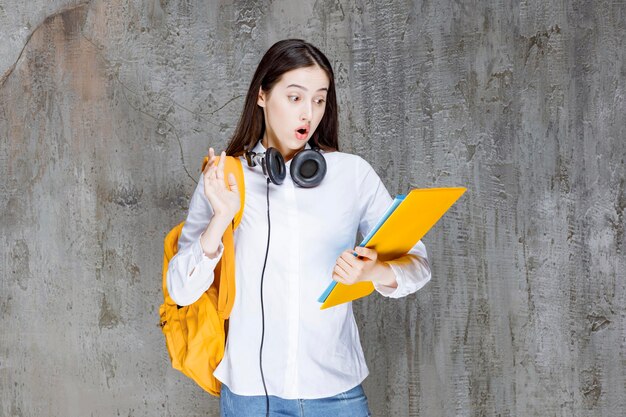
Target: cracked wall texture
x: 107, y: 108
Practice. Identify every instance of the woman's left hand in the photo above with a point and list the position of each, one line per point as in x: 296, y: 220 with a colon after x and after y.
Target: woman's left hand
x: 350, y: 269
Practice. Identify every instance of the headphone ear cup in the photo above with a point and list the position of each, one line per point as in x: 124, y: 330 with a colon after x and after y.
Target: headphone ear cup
x: 275, y: 166
x: 308, y: 168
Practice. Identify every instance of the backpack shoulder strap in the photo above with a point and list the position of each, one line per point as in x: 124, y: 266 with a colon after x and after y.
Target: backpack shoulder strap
x: 225, y: 270
x: 170, y: 246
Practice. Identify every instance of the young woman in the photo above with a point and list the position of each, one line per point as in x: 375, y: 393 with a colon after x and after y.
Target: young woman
x: 284, y: 356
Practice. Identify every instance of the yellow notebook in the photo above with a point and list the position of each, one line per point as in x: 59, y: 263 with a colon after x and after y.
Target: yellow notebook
x: 407, y: 220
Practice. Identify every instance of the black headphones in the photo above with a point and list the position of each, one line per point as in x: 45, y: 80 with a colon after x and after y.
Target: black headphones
x: 307, y: 169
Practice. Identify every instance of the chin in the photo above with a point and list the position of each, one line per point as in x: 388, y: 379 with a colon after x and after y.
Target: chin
x: 297, y: 144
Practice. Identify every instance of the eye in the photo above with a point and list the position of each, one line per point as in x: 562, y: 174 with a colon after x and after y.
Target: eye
x: 290, y: 97
x: 321, y: 101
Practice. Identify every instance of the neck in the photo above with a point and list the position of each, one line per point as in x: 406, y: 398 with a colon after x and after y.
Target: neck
x: 286, y: 153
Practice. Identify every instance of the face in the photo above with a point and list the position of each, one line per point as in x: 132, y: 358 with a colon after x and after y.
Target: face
x: 296, y: 101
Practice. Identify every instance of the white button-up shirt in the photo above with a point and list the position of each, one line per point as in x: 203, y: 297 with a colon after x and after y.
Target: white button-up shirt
x: 307, y: 352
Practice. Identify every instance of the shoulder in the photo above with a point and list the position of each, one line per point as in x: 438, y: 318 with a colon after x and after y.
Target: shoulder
x: 346, y: 158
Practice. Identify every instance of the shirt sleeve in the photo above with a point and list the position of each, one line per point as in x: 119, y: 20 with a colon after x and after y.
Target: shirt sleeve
x: 412, y: 270
x: 190, y: 271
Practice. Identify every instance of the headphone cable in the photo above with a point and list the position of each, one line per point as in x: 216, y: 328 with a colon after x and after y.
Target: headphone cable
x: 267, y: 399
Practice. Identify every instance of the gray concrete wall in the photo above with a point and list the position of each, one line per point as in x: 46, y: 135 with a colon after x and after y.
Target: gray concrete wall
x: 107, y: 107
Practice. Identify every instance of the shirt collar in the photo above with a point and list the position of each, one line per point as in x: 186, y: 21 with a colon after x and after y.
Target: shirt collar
x: 259, y: 148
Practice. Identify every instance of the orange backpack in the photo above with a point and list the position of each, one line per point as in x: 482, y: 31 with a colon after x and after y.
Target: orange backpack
x: 195, y: 335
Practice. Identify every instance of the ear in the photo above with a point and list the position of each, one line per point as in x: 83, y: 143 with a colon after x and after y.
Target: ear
x: 261, y: 98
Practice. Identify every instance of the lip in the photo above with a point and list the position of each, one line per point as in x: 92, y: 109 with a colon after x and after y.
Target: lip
x: 307, y: 127
x: 302, y: 136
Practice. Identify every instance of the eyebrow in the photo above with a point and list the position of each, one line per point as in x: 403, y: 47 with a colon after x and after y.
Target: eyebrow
x: 299, y: 86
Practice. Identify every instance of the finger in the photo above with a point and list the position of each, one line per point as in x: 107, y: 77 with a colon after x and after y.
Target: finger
x: 349, y: 258
x: 343, y: 276
x: 363, y: 252
x: 337, y: 278
x: 232, y: 182
x: 210, y: 173
x: 210, y: 158
x: 342, y: 269
x: 339, y: 275
x: 220, y: 166
x: 344, y: 264
x: 208, y: 166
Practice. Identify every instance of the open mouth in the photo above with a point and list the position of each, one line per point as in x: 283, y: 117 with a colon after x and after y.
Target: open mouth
x: 302, y: 133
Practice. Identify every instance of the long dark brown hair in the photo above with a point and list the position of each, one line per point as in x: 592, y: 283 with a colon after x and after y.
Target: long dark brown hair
x: 283, y: 56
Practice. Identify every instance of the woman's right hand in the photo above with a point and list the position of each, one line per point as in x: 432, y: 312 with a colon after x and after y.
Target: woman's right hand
x: 224, y: 201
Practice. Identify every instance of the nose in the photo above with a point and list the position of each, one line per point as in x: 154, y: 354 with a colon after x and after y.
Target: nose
x: 307, y: 113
